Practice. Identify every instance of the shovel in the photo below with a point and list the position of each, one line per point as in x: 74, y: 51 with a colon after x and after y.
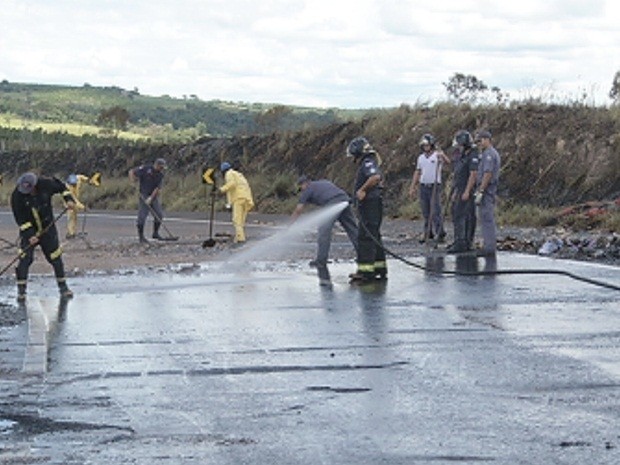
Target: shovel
x: 210, y: 242
x: 170, y: 237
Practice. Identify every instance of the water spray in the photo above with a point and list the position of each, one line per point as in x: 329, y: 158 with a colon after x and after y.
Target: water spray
x: 276, y: 245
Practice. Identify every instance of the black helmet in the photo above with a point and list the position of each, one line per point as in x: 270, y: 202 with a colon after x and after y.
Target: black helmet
x: 463, y: 138
x: 427, y: 139
x: 358, y: 147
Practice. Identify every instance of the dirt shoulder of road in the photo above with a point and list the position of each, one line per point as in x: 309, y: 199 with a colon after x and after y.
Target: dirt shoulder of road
x: 108, y: 252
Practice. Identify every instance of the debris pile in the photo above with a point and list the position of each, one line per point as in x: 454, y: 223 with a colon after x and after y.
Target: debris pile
x: 560, y: 243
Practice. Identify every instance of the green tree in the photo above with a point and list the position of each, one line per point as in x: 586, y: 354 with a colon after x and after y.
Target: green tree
x: 463, y: 88
x: 273, y: 119
x: 114, y: 119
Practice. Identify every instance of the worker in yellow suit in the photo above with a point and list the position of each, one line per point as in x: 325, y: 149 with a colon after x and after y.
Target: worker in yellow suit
x: 238, y: 196
x: 74, y: 183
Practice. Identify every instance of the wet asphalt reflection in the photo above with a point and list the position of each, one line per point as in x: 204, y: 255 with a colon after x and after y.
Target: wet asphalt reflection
x: 263, y: 365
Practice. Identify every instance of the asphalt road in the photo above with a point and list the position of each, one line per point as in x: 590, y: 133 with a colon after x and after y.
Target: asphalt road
x: 248, y: 360
x: 104, y: 225
x: 252, y: 362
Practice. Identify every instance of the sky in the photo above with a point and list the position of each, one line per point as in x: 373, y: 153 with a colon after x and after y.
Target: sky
x: 319, y: 53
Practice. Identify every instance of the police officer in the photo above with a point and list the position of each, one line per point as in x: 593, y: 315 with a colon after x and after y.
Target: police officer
x: 371, y: 262
x: 487, y: 180
x: 31, y: 203
x: 150, y: 178
x: 463, y: 207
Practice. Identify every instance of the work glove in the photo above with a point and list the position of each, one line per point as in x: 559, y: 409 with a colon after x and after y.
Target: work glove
x: 228, y: 206
x: 478, y: 198
x: 149, y: 200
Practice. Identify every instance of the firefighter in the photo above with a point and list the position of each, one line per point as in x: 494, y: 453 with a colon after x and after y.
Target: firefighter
x: 238, y: 196
x: 371, y: 263
x: 31, y: 202
x: 151, y: 178
x: 74, y: 183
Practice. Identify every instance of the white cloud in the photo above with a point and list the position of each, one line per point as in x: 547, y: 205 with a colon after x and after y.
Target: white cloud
x: 330, y: 52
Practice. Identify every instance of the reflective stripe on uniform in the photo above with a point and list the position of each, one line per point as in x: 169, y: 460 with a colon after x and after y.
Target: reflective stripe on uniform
x: 25, y: 226
x: 56, y: 253
x: 381, y: 264
x: 365, y: 267
x: 37, y: 220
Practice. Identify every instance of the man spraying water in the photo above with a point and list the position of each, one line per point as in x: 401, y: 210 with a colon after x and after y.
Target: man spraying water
x: 324, y: 193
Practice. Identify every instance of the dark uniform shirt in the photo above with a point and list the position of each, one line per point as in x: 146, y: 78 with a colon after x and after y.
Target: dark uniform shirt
x: 322, y: 192
x: 150, y: 179
x: 33, y: 213
x: 368, y: 168
x: 464, y: 164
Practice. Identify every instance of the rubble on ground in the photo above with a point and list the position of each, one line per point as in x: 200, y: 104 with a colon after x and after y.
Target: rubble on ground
x: 561, y: 243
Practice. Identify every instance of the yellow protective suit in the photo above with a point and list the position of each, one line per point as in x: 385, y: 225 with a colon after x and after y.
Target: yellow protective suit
x: 72, y: 214
x: 239, y: 196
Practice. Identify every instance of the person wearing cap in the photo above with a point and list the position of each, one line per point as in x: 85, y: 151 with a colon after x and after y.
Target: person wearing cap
x: 323, y: 193
x: 150, y: 179
x: 486, y: 191
x: 74, y: 184
x: 31, y: 203
x: 238, y: 196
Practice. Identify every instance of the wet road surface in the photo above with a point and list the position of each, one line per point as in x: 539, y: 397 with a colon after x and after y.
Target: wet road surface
x: 261, y: 365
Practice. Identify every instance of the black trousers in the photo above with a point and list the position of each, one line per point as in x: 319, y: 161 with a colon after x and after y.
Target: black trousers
x: 370, y: 252
x: 51, y: 249
x: 464, y: 219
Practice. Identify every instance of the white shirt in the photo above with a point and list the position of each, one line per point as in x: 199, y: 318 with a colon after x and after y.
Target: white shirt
x: 430, y: 173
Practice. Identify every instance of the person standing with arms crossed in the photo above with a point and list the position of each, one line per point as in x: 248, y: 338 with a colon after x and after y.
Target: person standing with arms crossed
x: 150, y: 178
x: 487, y: 179
x: 428, y: 176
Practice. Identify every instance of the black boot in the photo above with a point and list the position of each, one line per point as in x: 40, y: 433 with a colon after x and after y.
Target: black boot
x: 21, y: 292
x: 141, y: 235
x: 156, y: 226
x: 64, y: 290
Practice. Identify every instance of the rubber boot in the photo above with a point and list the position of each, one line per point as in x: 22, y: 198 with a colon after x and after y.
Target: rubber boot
x: 21, y: 293
x: 141, y: 235
x: 64, y: 290
x: 156, y: 226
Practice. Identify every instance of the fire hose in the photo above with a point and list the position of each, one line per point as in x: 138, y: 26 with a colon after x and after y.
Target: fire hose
x: 540, y: 271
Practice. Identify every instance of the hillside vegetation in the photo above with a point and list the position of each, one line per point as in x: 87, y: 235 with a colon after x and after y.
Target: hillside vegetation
x: 107, y: 110
x: 552, y: 156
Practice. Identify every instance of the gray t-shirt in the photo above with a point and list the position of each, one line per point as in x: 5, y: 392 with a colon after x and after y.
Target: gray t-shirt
x: 322, y: 192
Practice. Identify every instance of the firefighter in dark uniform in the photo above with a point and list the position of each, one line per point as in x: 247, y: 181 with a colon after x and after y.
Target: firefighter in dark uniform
x: 31, y: 202
x: 463, y: 206
x: 368, y: 196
